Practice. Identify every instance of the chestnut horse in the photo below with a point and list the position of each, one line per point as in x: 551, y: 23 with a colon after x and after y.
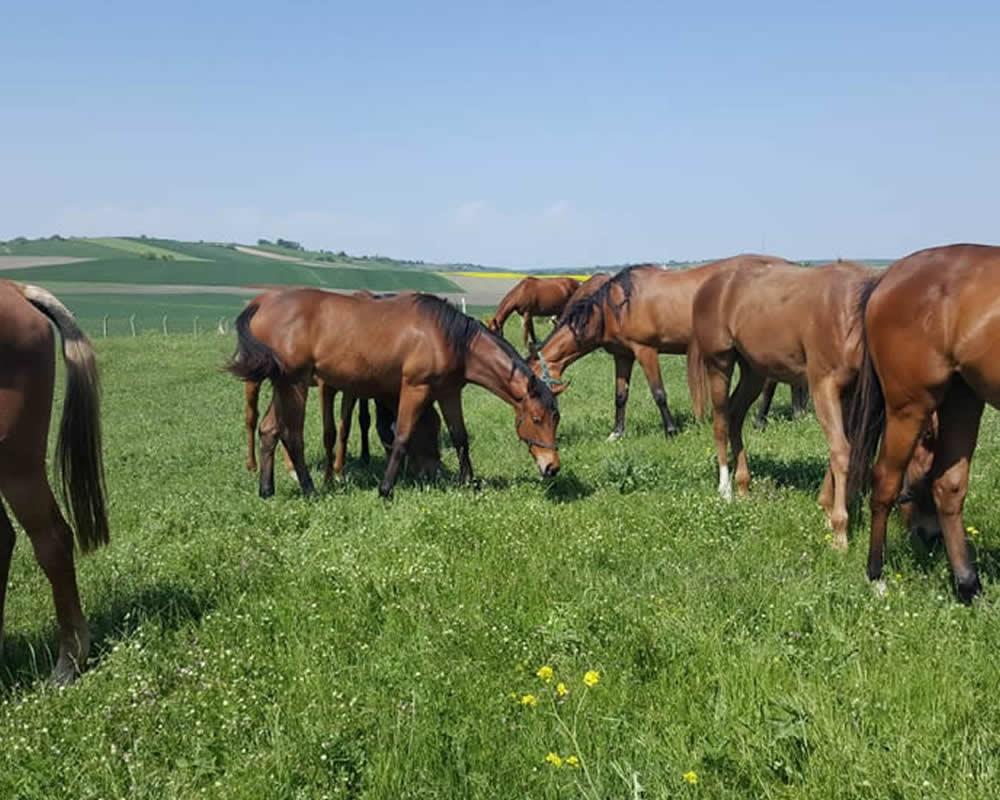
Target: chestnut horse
x: 533, y: 297
x: 27, y: 377
x: 635, y: 315
x: 931, y: 324
x: 792, y: 324
x: 416, y: 347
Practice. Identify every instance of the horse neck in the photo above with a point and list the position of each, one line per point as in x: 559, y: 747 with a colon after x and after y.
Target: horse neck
x: 507, y: 307
x: 562, y: 348
x: 489, y: 366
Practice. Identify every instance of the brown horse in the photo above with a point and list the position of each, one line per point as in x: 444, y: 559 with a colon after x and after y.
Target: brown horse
x: 931, y: 324
x: 27, y: 377
x: 792, y: 324
x: 533, y: 297
x: 416, y: 347
x: 635, y: 315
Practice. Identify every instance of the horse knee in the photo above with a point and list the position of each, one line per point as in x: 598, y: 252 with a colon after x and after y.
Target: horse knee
x: 949, y: 493
x: 621, y: 398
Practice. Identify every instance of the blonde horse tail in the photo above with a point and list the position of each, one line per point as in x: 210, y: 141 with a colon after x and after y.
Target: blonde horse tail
x: 78, y: 448
x: 697, y: 378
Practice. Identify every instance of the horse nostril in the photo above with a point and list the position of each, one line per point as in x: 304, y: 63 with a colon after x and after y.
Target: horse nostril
x: 551, y: 470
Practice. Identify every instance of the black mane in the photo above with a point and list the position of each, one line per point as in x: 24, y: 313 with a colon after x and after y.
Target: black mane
x: 461, y: 330
x: 578, y: 316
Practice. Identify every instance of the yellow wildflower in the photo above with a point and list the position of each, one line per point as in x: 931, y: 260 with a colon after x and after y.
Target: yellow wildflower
x: 561, y: 689
x: 545, y: 672
x: 554, y: 759
x: 572, y: 761
x: 592, y: 677
x: 690, y: 777
x: 972, y: 530
x: 529, y: 700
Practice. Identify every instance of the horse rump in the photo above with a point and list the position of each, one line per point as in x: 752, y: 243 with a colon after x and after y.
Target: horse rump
x: 253, y: 360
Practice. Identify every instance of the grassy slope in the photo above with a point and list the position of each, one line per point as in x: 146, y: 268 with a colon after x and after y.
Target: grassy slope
x: 217, y: 266
x: 345, y: 647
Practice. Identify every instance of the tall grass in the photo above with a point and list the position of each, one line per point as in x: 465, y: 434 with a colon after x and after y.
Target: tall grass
x: 345, y: 647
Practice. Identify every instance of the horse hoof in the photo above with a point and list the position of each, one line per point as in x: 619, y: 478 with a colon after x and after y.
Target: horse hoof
x: 672, y: 431
x: 266, y: 492
x: 879, y: 589
x: 615, y: 436
x: 968, y: 588
x: 839, y: 542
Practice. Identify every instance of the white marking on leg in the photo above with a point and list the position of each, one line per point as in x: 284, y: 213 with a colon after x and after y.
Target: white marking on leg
x: 725, y: 483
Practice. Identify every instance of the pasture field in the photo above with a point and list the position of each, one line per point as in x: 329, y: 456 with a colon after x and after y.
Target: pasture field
x: 149, y: 261
x: 347, y: 647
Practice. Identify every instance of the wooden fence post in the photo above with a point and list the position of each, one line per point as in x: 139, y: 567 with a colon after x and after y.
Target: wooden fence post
x: 164, y: 324
x: 196, y: 325
x: 105, y: 326
x: 131, y: 324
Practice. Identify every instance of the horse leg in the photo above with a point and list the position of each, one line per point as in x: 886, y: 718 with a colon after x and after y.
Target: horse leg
x: 623, y: 374
x: 31, y: 500
x: 530, y: 340
x: 720, y: 372
x: 412, y: 402
x: 649, y: 360
x: 800, y: 400
x: 327, y: 394
x: 833, y: 494
x: 268, y: 442
x: 7, y: 537
x: 284, y: 450
x: 365, y: 424
x: 902, y: 429
x: 958, y: 419
x: 451, y: 407
x: 764, y: 408
x: 251, y: 394
x: 290, y: 407
x: 747, y: 390
x: 347, y: 403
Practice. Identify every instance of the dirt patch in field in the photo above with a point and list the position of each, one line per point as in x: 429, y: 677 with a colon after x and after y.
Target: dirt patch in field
x: 22, y: 262
x: 253, y: 251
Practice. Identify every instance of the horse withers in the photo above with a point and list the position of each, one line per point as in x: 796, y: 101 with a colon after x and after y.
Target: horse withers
x: 27, y: 378
x: 414, y: 347
x: 931, y: 323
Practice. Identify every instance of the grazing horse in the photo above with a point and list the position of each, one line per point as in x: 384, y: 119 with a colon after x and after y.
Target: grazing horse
x: 931, y: 323
x: 415, y: 347
x: 533, y: 297
x: 27, y: 376
x: 792, y: 324
x: 635, y: 315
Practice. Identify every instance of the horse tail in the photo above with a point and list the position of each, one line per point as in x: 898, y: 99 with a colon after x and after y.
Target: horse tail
x: 866, y: 417
x: 697, y: 379
x: 253, y: 360
x: 79, y: 462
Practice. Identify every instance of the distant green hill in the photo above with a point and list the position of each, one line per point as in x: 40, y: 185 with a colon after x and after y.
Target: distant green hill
x: 144, y: 261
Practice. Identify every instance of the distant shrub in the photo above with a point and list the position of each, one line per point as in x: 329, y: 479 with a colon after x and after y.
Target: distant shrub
x: 263, y: 241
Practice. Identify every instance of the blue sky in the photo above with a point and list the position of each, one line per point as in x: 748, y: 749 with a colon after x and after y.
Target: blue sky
x: 543, y: 133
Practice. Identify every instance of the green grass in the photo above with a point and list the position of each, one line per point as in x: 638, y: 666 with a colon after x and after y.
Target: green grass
x: 141, y: 248
x: 201, y: 264
x: 344, y: 647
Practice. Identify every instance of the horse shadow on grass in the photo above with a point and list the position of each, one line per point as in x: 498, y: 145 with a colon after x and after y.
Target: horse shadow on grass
x: 925, y: 555
x: 29, y: 659
x: 797, y: 473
